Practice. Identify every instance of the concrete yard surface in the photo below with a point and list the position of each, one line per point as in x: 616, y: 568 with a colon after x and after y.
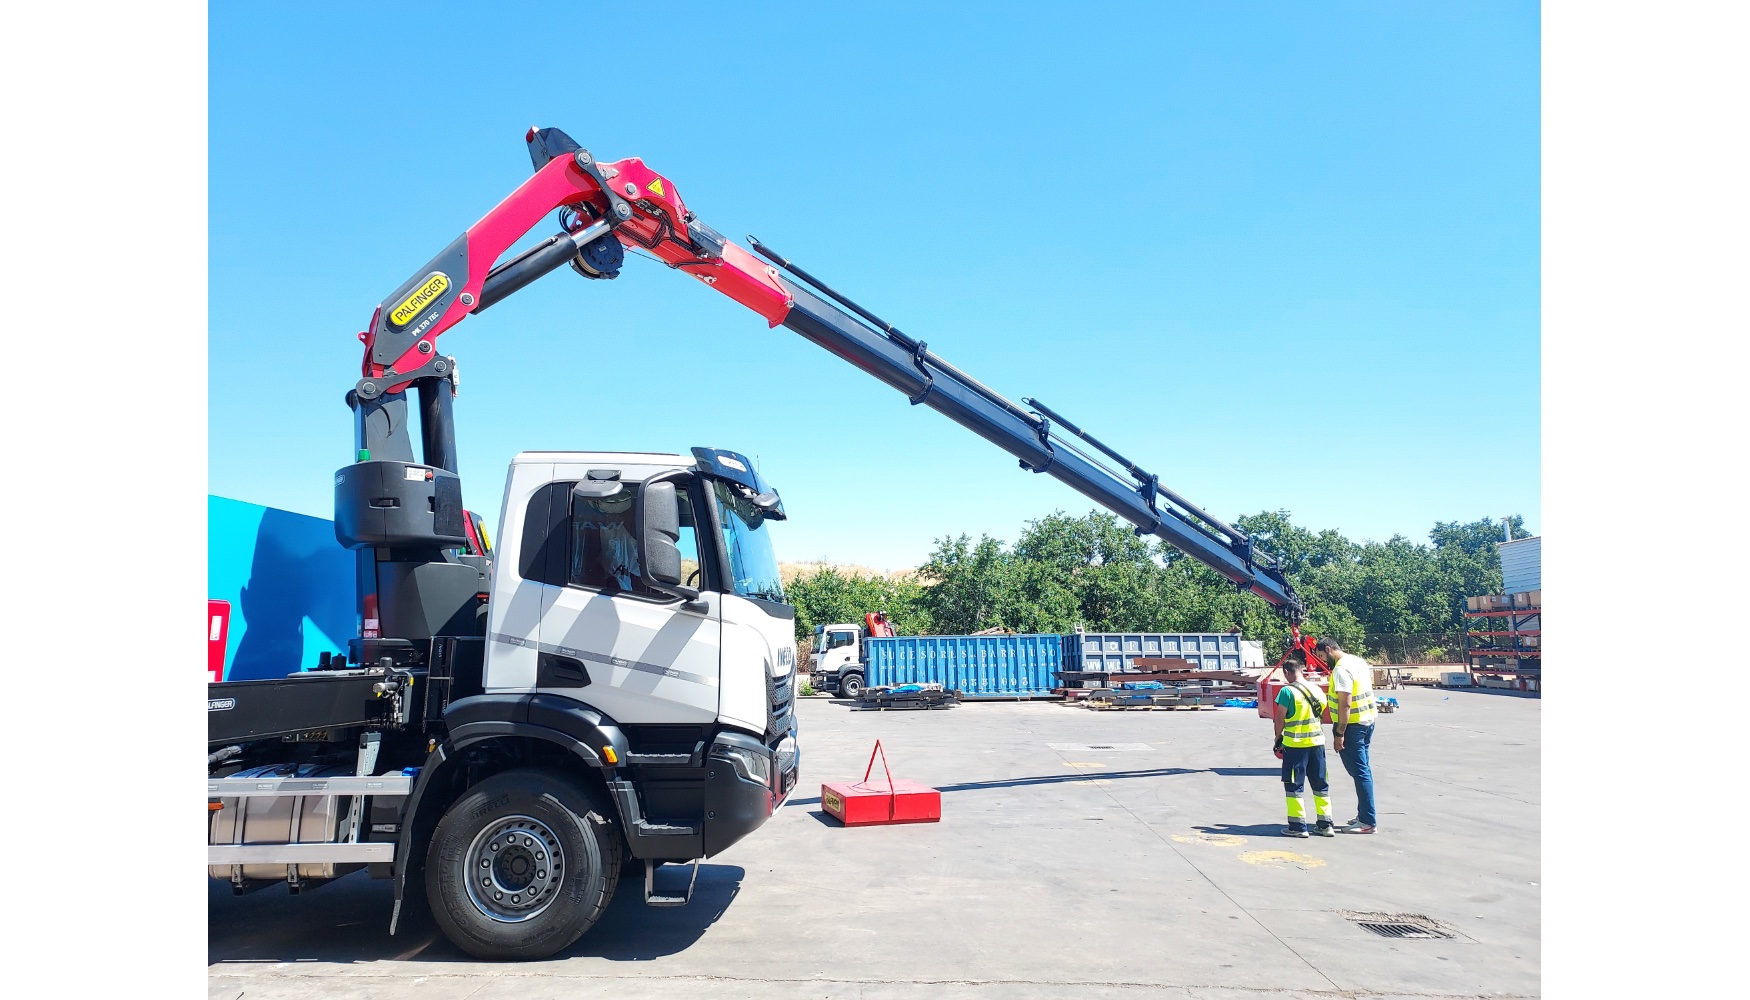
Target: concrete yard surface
x: 1131, y: 854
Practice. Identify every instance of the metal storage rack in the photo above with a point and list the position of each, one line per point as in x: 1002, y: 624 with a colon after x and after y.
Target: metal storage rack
x: 1516, y: 650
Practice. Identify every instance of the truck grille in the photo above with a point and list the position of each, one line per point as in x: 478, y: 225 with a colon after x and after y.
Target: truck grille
x: 781, y: 704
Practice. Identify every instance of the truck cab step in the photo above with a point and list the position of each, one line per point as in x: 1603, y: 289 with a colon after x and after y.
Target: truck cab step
x: 649, y: 829
x: 652, y: 898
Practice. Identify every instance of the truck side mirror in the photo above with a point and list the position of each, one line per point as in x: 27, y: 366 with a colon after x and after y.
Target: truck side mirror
x: 657, y: 526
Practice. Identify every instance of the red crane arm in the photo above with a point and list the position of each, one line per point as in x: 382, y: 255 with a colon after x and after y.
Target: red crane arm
x: 606, y: 207
x: 401, y: 344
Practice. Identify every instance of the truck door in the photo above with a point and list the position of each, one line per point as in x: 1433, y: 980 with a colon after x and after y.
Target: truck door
x: 611, y: 642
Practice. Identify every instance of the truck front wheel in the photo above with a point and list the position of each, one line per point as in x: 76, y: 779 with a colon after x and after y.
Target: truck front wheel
x: 851, y: 686
x: 522, y: 865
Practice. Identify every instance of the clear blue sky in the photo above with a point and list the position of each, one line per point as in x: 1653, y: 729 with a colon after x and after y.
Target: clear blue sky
x: 1285, y: 255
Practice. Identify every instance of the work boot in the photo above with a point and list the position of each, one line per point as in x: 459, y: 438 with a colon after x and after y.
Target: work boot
x: 1323, y: 829
x: 1354, y: 826
x: 1295, y: 831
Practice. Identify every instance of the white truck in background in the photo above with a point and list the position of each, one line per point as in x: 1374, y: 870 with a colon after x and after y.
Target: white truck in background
x: 837, y: 660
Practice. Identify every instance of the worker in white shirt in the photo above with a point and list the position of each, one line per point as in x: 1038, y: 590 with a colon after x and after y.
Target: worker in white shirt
x: 1352, y: 716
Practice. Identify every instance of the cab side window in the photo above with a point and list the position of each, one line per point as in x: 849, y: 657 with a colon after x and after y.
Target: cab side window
x: 604, y: 550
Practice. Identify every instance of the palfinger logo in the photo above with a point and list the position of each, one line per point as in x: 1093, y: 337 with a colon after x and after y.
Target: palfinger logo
x: 435, y: 285
x: 832, y: 802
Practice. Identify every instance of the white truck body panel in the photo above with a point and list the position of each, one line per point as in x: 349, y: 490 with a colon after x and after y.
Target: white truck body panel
x: 517, y: 605
x: 648, y: 661
x: 751, y: 634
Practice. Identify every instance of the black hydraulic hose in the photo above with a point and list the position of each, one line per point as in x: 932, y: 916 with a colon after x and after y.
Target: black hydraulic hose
x: 437, y: 423
x: 1130, y: 467
x: 1206, y: 532
x: 542, y: 258
x: 514, y: 274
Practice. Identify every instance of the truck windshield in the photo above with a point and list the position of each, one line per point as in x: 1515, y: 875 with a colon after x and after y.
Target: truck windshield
x: 752, y: 563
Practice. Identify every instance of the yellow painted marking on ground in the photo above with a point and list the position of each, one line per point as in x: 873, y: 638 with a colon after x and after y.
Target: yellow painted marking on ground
x: 1218, y: 839
x: 1277, y: 859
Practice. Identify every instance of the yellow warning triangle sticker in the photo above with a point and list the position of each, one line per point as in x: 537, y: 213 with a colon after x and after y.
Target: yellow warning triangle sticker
x: 656, y: 186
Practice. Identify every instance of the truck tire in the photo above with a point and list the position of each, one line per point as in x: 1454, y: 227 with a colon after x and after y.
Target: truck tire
x: 851, y: 686
x: 522, y: 865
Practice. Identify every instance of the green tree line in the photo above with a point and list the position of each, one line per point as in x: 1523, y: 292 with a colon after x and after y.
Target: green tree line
x: 1391, y: 600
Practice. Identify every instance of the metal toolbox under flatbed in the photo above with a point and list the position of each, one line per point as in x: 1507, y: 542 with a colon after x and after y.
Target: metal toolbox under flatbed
x: 239, y: 711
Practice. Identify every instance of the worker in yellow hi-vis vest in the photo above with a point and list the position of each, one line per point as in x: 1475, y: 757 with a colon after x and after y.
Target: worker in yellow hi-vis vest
x: 1352, y: 715
x: 1301, y: 738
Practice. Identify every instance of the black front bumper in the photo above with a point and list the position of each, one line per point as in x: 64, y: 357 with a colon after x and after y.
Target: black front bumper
x: 745, y: 782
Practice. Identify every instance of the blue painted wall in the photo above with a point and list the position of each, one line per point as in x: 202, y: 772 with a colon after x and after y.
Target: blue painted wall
x: 289, y: 582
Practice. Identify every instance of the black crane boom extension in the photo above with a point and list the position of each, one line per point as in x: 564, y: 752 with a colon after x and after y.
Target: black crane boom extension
x: 908, y: 366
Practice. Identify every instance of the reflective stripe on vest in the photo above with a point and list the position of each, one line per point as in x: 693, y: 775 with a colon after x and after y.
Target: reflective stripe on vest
x: 1361, y: 709
x: 1301, y: 728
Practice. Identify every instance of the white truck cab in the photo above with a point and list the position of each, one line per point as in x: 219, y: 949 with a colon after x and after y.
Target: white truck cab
x: 574, y: 613
x: 621, y: 691
x: 837, y: 660
x: 638, y: 649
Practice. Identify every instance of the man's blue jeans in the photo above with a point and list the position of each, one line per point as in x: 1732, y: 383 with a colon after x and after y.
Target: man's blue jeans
x: 1357, y: 739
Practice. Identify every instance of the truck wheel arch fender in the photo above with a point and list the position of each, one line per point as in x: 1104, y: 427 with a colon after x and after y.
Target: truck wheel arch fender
x: 580, y: 731
x: 417, y: 824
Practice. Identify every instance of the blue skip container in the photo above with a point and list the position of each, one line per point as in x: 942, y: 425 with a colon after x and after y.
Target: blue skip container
x: 1116, y: 651
x: 978, y: 666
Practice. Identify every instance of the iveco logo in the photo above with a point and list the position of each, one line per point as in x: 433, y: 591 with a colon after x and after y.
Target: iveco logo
x: 221, y: 704
x: 786, y: 660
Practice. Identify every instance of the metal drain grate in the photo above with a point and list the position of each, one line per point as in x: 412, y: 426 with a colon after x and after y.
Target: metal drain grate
x: 1401, y: 925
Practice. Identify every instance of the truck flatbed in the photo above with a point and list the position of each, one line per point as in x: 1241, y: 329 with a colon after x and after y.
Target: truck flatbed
x: 314, y: 700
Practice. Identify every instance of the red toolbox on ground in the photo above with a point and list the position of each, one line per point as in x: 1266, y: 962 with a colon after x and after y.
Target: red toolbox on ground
x: 867, y: 803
